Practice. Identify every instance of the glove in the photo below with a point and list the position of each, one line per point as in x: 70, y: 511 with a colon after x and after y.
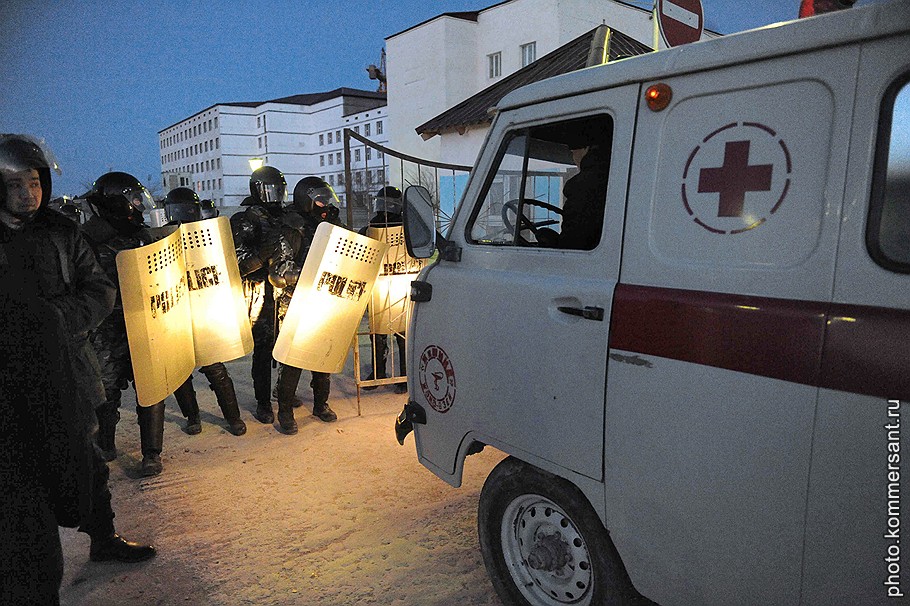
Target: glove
x: 249, y: 264
x: 286, y: 278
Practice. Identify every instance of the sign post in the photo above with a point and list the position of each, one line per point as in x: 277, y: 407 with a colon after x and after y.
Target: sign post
x: 681, y: 21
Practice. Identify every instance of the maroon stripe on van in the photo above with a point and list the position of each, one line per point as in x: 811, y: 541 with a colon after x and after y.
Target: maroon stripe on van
x: 866, y: 350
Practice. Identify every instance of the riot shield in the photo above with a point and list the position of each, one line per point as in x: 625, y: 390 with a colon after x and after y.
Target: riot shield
x: 159, y: 323
x: 221, y: 326
x: 388, y: 308
x: 329, y: 299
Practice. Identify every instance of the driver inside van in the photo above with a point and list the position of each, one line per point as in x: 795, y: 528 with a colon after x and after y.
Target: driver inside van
x: 585, y: 198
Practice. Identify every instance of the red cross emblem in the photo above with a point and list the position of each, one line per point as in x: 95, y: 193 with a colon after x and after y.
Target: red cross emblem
x: 748, y: 186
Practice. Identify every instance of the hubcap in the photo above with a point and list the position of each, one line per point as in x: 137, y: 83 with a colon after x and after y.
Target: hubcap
x: 545, y: 553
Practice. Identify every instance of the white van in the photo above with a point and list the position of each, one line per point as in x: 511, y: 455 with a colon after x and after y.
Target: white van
x: 705, y: 389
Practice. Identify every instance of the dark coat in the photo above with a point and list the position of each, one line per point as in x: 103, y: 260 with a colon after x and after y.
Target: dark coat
x: 110, y: 340
x: 585, y: 194
x: 50, y: 258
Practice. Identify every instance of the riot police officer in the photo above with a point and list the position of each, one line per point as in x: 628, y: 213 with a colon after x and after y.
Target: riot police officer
x: 314, y: 201
x: 116, y: 225
x: 182, y: 205
x: 387, y: 213
x: 262, y: 249
x: 49, y: 253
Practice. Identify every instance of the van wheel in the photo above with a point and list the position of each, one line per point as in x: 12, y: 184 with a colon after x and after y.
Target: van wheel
x: 543, y: 544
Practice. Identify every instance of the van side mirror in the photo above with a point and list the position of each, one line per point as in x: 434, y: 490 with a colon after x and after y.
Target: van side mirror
x: 419, y: 222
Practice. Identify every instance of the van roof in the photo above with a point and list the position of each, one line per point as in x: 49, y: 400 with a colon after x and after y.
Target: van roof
x: 789, y: 37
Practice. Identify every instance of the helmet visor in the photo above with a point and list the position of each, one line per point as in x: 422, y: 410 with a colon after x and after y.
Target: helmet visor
x: 272, y: 193
x: 183, y: 212
x: 140, y: 198
x: 387, y: 205
x: 323, y: 196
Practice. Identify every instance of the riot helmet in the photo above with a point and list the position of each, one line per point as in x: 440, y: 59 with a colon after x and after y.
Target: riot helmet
x: 268, y: 187
x: 19, y: 154
x: 113, y: 198
x: 387, y: 200
x: 182, y: 204
x: 71, y: 211
x: 208, y: 209
x: 313, y: 196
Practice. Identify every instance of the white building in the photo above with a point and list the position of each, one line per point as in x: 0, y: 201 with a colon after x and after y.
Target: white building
x: 439, y: 63
x: 300, y: 135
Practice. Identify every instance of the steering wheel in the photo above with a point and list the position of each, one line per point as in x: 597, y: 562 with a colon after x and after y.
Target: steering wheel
x: 524, y: 223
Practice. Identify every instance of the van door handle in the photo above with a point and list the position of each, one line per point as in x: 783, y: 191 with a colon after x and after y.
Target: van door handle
x: 588, y: 313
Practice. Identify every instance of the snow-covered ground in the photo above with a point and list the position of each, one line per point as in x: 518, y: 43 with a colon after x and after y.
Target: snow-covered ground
x: 338, y: 514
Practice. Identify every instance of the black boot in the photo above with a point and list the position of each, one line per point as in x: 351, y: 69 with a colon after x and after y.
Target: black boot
x: 189, y: 406
x: 220, y: 382
x: 288, y: 377
x: 151, y: 437
x: 108, y: 414
x: 321, y: 385
x: 294, y: 400
x: 115, y: 547
x: 379, y: 347
x: 264, y: 413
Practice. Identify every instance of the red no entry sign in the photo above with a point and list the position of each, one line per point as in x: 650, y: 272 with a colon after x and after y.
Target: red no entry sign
x: 681, y: 21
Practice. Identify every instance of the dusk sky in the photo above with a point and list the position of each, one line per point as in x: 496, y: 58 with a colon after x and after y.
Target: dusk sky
x: 97, y: 80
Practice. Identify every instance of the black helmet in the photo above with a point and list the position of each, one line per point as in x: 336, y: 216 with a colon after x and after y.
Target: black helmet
x: 19, y: 153
x: 387, y: 200
x: 182, y: 204
x: 208, y: 209
x: 118, y: 198
x: 268, y: 187
x: 71, y: 211
x: 314, y: 196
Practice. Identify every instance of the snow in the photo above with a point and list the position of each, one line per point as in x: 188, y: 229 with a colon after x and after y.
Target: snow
x: 338, y: 514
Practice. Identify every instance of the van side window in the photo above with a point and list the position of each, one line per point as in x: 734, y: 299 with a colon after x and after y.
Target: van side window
x: 888, y: 228
x: 548, y: 188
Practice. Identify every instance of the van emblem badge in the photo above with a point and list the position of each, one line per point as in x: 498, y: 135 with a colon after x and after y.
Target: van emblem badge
x: 736, y: 178
x: 437, y: 378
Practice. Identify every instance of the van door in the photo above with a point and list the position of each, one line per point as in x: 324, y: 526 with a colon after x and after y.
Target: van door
x: 862, y: 427
x: 512, y: 347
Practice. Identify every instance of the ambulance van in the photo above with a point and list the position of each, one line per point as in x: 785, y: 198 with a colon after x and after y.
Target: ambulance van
x: 676, y: 293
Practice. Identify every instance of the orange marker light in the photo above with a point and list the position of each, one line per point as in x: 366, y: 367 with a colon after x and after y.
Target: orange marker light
x: 658, y: 96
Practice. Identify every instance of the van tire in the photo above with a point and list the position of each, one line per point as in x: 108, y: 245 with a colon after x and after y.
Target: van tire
x: 575, y: 562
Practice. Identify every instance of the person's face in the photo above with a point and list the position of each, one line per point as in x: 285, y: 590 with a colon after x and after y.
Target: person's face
x: 578, y: 154
x: 23, y: 191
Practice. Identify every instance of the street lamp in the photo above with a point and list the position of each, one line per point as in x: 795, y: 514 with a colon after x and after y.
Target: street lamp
x: 255, y: 164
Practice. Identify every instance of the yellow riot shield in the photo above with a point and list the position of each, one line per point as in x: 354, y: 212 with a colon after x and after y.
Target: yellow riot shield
x: 388, y: 310
x: 329, y: 299
x: 221, y: 326
x: 183, y: 305
x: 159, y: 324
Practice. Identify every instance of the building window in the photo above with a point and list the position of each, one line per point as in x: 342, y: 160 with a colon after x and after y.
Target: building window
x: 218, y: 161
x: 331, y: 179
x: 260, y: 142
x: 329, y: 138
x: 216, y: 143
x: 321, y: 139
x: 321, y: 160
x: 263, y: 123
x: 366, y: 129
x: 340, y: 179
x: 338, y: 157
x: 258, y: 122
x: 528, y: 53
x: 369, y: 153
x: 357, y: 129
x: 331, y: 159
x: 379, y: 127
x: 494, y: 65
x: 357, y: 155
x: 338, y: 136
x: 216, y: 122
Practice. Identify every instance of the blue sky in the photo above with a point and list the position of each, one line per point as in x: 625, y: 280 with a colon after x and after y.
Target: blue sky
x: 99, y: 79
